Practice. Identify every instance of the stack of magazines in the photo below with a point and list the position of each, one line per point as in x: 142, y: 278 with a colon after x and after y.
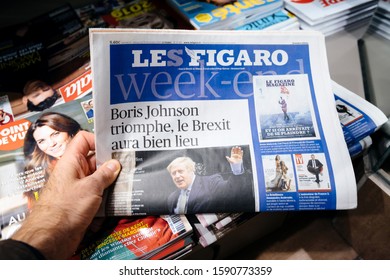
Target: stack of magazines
x: 145, y: 14
x: 148, y: 237
x: 330, y: 17
x: 219, y: 14
x: 380, y: 22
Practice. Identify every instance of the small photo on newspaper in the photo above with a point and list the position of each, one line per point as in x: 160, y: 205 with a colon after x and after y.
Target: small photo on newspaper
x: 279, y: 173
x: 347, y: 114
x: 284, y: 107
x: 312, y: 172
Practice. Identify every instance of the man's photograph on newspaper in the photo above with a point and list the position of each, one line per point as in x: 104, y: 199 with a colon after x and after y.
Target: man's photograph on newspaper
x: 312, y: 172
x: 204, y: 180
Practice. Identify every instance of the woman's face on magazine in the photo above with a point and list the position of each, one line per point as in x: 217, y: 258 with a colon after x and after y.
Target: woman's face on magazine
x: 50, y: 141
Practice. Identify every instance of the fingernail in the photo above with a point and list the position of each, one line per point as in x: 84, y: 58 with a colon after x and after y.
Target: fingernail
x: 113, y: 165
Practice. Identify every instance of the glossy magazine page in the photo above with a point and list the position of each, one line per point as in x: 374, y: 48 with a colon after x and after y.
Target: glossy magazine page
x: 136, y: 238
x: 214, y: 14
x: 29, y: 150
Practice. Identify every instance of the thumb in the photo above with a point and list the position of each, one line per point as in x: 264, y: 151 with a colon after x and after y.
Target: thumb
x: 107, y: 172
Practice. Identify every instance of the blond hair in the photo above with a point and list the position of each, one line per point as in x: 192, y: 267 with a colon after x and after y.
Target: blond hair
x: 187, y: 162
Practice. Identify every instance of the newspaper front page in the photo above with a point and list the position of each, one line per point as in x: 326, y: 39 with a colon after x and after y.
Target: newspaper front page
x: 218, y: 122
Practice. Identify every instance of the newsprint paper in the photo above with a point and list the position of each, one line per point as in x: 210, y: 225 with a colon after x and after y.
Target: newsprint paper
x: 218, y: 121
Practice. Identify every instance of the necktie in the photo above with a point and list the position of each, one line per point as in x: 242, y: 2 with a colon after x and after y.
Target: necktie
x: 182, y: 203
x: 314, y: 163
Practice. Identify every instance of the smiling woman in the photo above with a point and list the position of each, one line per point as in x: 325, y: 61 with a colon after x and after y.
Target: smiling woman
x: 50, y: 141
x: 45, y: 142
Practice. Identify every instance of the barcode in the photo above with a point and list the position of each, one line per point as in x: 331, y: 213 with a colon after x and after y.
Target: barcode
x: 175, y: 223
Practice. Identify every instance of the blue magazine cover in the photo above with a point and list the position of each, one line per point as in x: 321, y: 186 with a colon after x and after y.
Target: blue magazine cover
x: 212, y: 14
x: 278, y: 20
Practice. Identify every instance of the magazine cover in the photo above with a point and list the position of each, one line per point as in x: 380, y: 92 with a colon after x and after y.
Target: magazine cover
x: 184, y: 112
x: 38, y: 95
x: 6, y: 114
x: 313, y: 176
x: 280, y: 19
x: 29, y: 149
x: 138, y: 14
x: 125, y: 238
x: 284, y: 107
x: 183, y: 251
x: 228, y: 14
x: 316, y: 11
x: 279, y: 173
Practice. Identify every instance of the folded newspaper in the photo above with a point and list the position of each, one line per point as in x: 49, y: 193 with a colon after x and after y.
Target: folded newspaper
x: 358, y: 118
x: 218, y: 122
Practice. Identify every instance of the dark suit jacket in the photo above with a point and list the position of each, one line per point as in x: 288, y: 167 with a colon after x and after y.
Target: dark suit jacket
x: 213, y: 194
x: 318, y: 166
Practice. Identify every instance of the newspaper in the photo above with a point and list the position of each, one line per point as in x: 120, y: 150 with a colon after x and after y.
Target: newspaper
x: 218, y: 122
x: 358, y: 117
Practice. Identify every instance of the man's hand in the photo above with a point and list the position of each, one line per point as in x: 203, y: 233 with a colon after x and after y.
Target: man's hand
x: 69, y: 201
x: 236, y: 155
